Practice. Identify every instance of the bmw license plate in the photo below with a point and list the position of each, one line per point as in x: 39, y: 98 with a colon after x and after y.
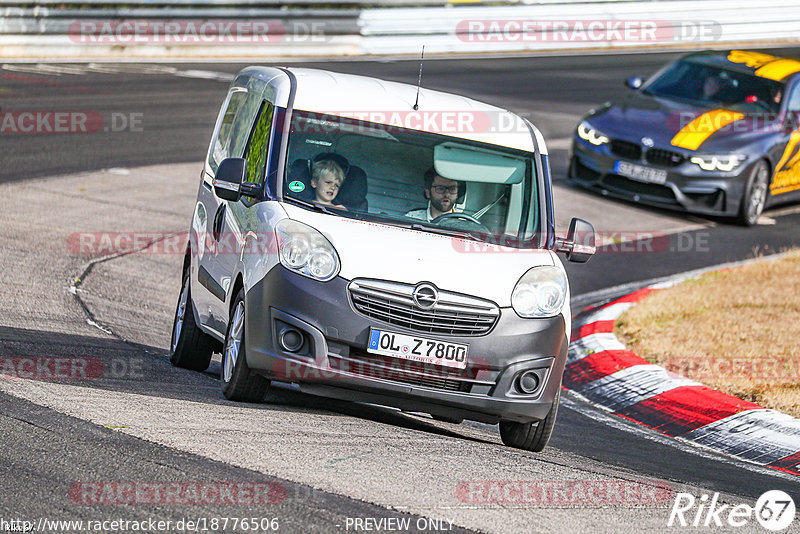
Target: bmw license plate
x: 640, y: 173
x: 418, y: 349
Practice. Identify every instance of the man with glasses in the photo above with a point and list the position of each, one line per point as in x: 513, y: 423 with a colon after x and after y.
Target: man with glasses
x: 442, y: 195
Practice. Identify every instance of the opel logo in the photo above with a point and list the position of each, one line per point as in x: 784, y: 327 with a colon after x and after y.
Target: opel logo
x: 646, y: 141
x: 425, y: 296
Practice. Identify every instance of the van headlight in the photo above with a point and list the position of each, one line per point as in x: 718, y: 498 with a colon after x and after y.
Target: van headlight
x: 724, y: 163
x: 305, y: 250
x: 587, y: 133
x: 540, y: 292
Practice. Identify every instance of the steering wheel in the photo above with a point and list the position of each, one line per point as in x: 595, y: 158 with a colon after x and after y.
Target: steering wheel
x: 463, y: 217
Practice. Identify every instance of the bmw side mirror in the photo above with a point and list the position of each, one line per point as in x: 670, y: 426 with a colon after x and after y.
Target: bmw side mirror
x: 579, y: 244
x: 792, y: 121
x: 229, y: 181
x: 634, y: 82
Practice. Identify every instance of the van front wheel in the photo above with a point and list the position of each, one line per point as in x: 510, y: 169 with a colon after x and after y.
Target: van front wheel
x: 190, y: 347
x: 239, y: 383
x: 530, y: 436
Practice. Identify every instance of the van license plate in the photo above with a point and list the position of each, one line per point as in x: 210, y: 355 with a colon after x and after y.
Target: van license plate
x: 418, y: 349
x: 640, y: 173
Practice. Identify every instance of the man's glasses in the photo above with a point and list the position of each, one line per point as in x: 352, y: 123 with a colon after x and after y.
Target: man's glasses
x: 442, y: 189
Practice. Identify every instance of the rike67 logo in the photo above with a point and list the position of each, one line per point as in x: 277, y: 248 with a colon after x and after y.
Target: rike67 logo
x: 774, y: 510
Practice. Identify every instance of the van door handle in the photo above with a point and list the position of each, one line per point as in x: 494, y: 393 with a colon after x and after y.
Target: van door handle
x: 219, y: 218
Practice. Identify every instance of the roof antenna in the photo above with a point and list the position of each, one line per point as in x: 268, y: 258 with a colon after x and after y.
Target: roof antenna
x: 419, y: 80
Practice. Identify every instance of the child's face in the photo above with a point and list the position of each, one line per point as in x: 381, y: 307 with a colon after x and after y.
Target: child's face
x: 327, y: 187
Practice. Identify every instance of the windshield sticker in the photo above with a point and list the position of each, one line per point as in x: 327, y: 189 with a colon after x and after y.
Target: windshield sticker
x: 297, y: 186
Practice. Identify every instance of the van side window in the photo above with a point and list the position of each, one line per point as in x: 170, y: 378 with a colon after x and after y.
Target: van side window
x: 220, y: 145
x: 258, y: 146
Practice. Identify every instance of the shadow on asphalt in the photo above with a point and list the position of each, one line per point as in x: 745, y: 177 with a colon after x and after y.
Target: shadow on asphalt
x: 125, y: 367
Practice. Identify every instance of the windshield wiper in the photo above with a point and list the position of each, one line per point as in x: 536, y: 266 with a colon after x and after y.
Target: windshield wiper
x: 444, y: 231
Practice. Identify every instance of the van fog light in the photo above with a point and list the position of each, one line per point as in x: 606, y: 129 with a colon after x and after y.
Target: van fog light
x: 290, y: 339
x: 528, y: 382
x: 540, y: 292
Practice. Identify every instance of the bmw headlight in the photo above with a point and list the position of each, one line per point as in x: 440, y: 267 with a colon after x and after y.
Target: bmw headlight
x: 723, y: 163
x: 587, y: 133
x: 540, y: 292
x: 305, y: 250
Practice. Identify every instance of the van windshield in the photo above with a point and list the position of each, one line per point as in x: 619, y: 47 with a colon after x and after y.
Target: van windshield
x: 430, y: 182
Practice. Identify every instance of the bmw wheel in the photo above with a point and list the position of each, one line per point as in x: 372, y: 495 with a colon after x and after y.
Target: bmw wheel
x: 239, y: 383
x: 531, y: 436
x: 190, y: 347
x: 755, y: 194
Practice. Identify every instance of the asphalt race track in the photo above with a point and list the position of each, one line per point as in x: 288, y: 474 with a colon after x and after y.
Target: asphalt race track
x: 324, y: 464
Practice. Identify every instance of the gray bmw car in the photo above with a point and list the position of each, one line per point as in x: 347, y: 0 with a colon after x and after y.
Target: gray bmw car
x: 714, y: 133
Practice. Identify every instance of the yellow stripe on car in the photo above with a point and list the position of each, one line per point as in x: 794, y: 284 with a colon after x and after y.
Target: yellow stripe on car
x: 787, y: 173
x: 767, y: 66
x: 696, y: 132
x: 751, y: 59
x: 779, y: 69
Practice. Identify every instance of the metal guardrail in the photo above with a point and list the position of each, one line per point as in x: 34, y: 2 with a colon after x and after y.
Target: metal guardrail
x: 47, y: 28
x: 234, y: 4
x: 62, y: 21
x: 678, y: 23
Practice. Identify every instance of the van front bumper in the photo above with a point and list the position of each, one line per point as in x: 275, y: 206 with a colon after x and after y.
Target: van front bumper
x: 333, y: 360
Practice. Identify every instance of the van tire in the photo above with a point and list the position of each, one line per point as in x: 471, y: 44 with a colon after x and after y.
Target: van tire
x: 190, y: 347
x: 239, y: 383
x: 531, y: 436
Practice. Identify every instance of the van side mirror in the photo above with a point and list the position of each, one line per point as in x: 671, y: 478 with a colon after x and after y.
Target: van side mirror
x: 579, y: 244
x: 229, y: 181
x: 634, y: 82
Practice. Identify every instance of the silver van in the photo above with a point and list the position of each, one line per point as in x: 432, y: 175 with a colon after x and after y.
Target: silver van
x: 378, y: 242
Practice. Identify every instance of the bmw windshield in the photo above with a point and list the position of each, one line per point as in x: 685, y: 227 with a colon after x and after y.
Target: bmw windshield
x: 709, y: 85
x: 429, y: 182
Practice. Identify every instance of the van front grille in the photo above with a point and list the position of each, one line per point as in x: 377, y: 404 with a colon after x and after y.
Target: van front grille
x: 394, y: 303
